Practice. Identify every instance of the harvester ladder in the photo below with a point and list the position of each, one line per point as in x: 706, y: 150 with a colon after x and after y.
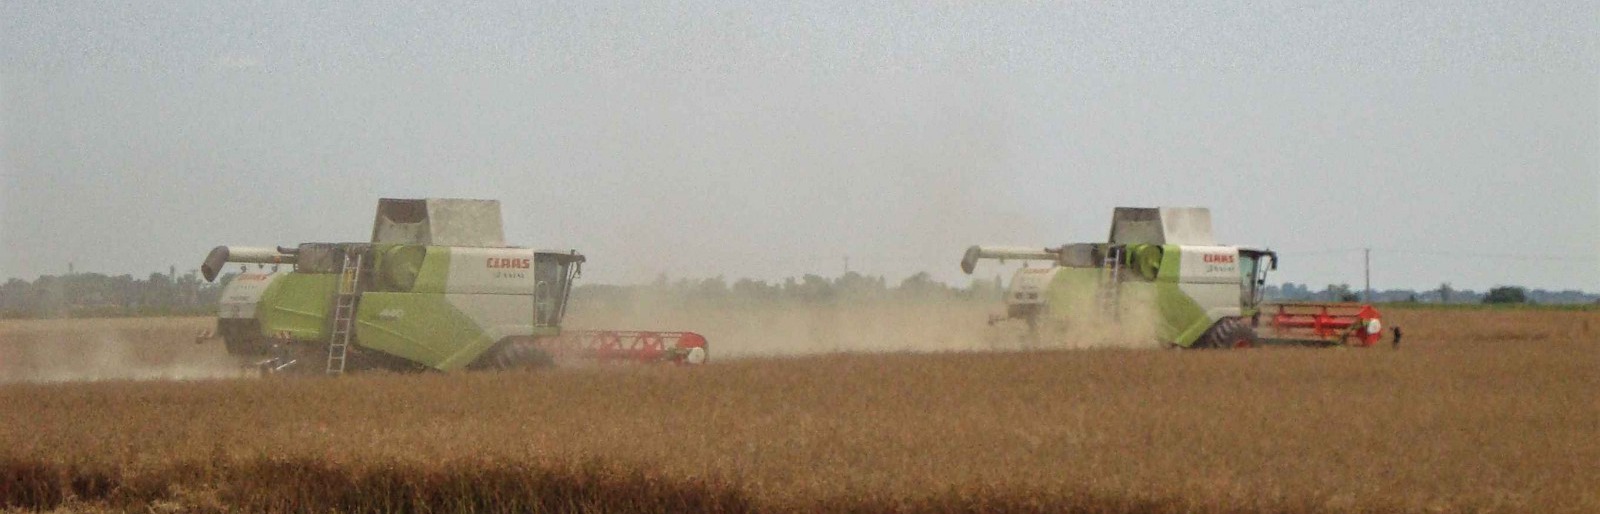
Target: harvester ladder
x: 1111, y: 281
x: 344, y: 312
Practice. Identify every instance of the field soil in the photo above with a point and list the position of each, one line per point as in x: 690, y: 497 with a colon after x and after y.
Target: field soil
x: 1479, y: 411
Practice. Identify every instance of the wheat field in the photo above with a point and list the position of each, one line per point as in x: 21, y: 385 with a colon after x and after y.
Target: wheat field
x: 1479, y: 411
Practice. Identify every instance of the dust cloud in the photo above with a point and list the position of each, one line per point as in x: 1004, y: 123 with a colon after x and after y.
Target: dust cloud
x: 1133, y: 326
x: 164, y: 348
x: 111, y: 349
x: 869, y: 326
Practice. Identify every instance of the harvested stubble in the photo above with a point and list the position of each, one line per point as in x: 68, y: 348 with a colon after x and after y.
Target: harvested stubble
x: 1470, y: 426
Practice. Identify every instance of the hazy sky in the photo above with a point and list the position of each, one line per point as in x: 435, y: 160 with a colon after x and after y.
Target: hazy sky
x: 1461, y: 141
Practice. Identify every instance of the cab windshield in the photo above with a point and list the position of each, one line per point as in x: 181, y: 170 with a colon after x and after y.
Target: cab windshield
x: 554, y: 273
x: 1253, y: 266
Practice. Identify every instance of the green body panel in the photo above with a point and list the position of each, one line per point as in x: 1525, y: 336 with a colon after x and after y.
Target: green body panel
x: 429, y: 331
x: 398, y: 266
x: 1183, y: 320
x: 297, y: 304
x: 412, y: 268
x: 1145, y: 260
x: 424, y: 328
x: 1154, y: 275
x: 432, y: 275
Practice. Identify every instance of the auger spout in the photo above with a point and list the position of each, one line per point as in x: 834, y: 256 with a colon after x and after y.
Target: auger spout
x: 222, y: 255
x: 1021, y: 253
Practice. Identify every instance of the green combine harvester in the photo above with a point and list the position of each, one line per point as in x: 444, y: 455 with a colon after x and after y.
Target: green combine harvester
x: 1162, y: 276
x: 436, y: 288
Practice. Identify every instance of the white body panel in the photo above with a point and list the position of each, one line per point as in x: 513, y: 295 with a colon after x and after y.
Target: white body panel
x: 239, y: 299
x: 492, y: 271
x: 1210, y: 275
x: 1028, y: 285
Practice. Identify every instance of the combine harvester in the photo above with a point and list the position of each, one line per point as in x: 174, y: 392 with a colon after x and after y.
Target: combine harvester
x: 1161, y: 266
x: 437, y: 288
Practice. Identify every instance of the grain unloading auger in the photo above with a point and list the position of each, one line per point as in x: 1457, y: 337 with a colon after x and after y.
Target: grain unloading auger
x: 436, y: 288
x: 1161, y: 267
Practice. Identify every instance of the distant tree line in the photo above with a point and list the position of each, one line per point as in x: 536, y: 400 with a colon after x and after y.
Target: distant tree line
x: 1444, y: 294
x: 80, y: 295
x: 854, y: 287
x: 170, y: 294
x: 167, y: 294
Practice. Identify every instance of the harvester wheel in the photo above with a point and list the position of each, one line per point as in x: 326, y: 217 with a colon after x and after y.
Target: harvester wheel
x: 1232, y: 333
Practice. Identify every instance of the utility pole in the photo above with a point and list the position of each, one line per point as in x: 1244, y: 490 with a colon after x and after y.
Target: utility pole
x: 1367, y: 257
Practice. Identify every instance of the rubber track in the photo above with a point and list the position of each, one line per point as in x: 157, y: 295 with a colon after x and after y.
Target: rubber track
x: 519, y: 354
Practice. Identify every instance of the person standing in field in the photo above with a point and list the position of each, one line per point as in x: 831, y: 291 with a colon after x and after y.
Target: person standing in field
x: 1396, y: 341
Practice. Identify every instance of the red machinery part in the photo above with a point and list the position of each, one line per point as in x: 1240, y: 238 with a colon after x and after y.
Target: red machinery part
x: 1351, y: 324
x: 609, y: 346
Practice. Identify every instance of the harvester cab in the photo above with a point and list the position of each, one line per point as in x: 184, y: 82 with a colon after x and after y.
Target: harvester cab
x: 1161, y: 267
x: 435, y: 288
